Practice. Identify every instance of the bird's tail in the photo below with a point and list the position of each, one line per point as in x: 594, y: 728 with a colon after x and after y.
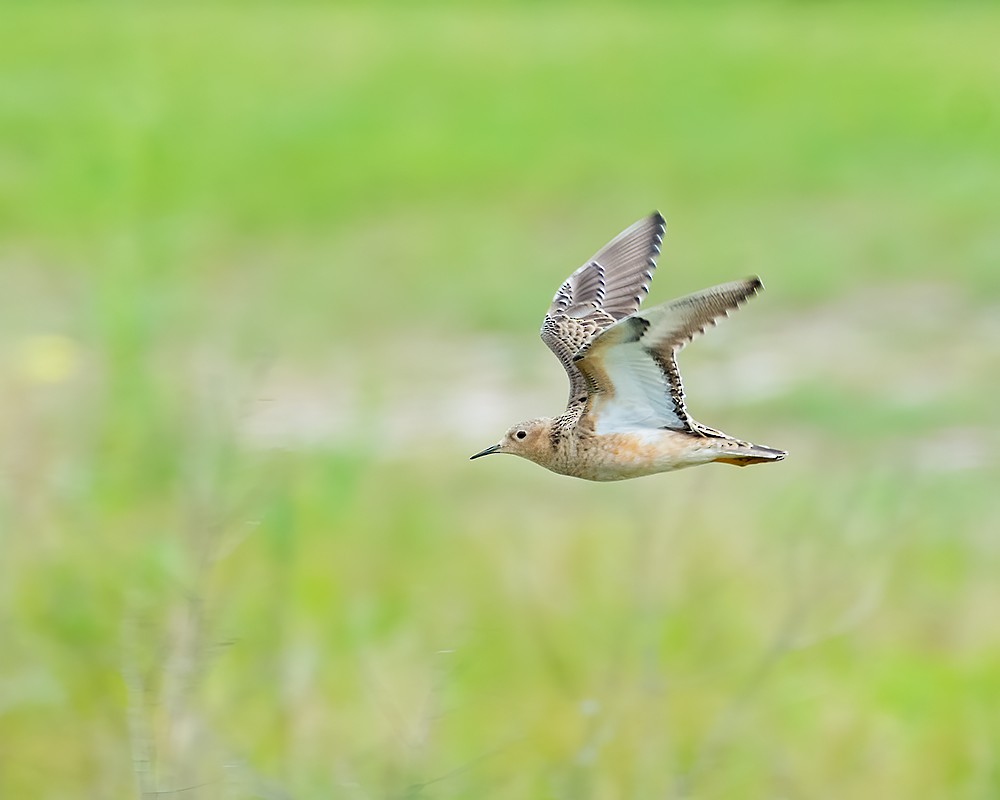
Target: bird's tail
x: 751, y: 454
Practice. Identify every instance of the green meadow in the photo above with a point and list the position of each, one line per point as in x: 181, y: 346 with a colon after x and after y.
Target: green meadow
x: 270, y: 273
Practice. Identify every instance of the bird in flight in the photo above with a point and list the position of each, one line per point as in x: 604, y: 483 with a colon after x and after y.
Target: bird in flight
x: 626, y: 415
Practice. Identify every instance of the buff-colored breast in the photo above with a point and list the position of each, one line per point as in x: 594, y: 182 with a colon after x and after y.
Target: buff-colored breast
x: 617, y: 456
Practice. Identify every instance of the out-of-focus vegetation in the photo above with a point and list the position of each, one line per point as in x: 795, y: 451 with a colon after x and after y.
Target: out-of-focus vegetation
x: 270, y: 272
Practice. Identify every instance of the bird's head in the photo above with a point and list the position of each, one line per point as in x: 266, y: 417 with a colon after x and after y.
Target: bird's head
x: 529, y: 440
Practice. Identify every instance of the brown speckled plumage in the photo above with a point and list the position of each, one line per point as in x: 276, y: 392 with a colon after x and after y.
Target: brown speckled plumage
x: 607, y: 288
x: 626, y: 414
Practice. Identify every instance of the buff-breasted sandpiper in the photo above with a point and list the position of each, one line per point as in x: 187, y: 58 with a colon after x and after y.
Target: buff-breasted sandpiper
x: 626, y: 415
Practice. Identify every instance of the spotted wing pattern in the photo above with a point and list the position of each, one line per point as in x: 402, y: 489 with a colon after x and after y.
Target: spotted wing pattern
x: 607, y: 288
x: 630, y: 369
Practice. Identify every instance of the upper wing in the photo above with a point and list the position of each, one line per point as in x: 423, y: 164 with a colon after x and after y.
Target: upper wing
x: 607, y: 288
x: 631, y: 369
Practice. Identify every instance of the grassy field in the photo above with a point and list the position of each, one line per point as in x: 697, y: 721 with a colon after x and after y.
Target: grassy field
x: 271, y: 272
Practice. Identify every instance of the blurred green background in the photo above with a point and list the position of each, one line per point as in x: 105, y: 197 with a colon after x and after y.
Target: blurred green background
x: 270, y: 272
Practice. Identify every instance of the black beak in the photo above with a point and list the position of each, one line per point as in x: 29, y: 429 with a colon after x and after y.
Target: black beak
x: 488, y: 451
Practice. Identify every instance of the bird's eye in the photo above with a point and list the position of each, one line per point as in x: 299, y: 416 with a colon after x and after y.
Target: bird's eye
x: 521, y: 434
